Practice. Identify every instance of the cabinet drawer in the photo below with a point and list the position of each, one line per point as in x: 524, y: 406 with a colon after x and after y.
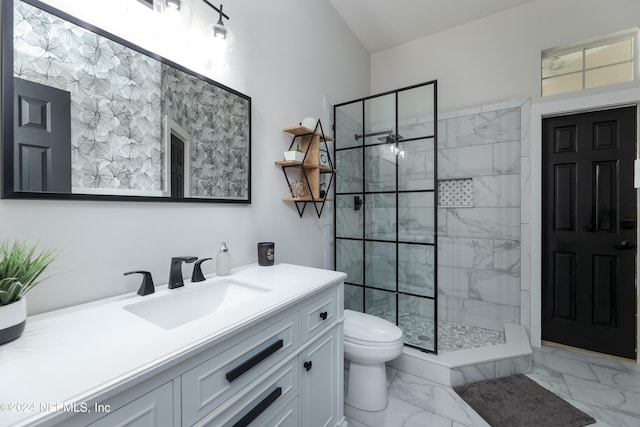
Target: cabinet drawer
x: 318, y: 314
x: 211, y: 383
x: 153, y: 409
x: 288, y: 416
x: 257, y: 408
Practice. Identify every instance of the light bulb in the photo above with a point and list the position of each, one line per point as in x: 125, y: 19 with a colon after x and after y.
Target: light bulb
x: 220, y: 42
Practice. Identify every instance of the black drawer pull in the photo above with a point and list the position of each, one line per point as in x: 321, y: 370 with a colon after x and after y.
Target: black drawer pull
x: 307, y: 365
x: 253, y: 361
x: 259, y: 408
x: 324, y: 315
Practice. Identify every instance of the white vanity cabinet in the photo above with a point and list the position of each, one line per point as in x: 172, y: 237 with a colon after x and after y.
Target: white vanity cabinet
x: 304, y: 387
x: 276, y: 360
x: 152, y: 409
x: 320, y: 386
x: 208, y: 385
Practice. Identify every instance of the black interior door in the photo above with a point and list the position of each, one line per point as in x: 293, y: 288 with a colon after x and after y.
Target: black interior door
x: 589, y: 231
x: 177, y: 167
x: 42, y: 137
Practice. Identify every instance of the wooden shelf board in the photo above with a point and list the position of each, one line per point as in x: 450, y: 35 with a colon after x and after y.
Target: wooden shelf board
x: 301, y: 130
x: 305, y: 199
x: 327, y: 170
x: 288, y: 163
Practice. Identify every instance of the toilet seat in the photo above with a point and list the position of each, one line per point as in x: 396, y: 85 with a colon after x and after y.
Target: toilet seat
x: 373, y: 344
x: 367, y: 330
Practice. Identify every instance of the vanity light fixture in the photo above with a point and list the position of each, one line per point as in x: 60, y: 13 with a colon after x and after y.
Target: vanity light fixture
x: 168, y: 6
x: 218, y: 29
x: 219, y: 39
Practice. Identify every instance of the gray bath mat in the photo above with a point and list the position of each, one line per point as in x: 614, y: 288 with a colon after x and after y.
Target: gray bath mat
x: 519, y: 401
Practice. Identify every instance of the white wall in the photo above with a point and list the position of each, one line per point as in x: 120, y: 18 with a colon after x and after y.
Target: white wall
x: 289, y: 54
x: 498, y: 57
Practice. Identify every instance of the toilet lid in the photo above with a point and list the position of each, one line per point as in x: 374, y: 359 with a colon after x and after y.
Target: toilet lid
x: 361, y: 327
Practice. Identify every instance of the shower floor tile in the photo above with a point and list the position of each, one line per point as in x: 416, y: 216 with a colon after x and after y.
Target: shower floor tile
x: 610, y: 395
x: 455, y: 336
x: 452, y: 336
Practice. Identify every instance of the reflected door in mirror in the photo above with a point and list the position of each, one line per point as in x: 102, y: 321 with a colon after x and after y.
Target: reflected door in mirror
x: 42, y: 129
x: 177, y: 167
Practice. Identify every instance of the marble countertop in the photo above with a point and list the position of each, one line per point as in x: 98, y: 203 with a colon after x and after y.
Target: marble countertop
x: 76, y: 354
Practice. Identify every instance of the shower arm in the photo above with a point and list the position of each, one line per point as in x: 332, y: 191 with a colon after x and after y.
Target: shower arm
x: 366, y: 135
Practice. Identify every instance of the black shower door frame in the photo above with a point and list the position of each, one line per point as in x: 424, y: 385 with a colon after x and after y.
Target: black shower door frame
x: 397, y: 192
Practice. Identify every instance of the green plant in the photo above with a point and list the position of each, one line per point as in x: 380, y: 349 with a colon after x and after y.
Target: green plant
x: 20, y: 268
x: 298, y: 148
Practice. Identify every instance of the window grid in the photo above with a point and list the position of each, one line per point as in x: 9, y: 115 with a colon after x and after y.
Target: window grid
x: 582, y: 49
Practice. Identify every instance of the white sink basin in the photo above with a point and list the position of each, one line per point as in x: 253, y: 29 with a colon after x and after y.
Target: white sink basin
x: 184, y: 305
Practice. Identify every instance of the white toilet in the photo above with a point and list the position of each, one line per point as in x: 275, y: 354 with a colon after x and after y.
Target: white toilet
x: 369, y: 342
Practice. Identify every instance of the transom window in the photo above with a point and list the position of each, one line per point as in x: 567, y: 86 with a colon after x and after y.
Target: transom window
x: 589, y: 64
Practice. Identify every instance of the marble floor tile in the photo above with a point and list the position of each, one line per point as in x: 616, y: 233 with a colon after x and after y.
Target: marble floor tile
x: 397, y: 414
x: 435, y: 398
x: 573, y: 367
x: 604, y: 395
x: 618, y: 378
x: 604, y: 387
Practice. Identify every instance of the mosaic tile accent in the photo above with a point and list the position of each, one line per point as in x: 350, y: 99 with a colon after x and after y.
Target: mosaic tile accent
x: 455, y: 193
x: 452, y: 336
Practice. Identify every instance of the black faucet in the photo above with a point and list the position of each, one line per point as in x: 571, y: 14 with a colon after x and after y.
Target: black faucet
x: 197, y: 275
x: 146, y: 287
x: 175, y: 271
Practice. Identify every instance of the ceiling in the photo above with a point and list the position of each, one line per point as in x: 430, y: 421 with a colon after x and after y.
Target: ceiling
x: 381, y: 24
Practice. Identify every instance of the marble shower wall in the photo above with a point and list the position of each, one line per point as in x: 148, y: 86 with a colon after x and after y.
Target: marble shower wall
x: 479, y: 247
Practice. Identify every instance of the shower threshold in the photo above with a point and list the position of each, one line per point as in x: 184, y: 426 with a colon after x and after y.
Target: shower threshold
x: 457, y: 367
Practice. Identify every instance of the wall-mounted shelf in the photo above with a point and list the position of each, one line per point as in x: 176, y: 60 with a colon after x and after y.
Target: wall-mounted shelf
x: 312, y: 142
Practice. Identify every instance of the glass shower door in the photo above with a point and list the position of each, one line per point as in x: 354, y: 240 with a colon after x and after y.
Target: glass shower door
x: 385, y: 208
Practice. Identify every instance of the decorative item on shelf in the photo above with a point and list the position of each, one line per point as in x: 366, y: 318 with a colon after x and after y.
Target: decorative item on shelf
x: 324, y: 159
x: 296, y: 155
x: 299, y: 190
x: 309, y: 123
x: 20, y: 269
x: 323, y: 191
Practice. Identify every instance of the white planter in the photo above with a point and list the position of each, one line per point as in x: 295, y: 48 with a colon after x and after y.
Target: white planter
x: 294, y: 155
x: 13, y: 318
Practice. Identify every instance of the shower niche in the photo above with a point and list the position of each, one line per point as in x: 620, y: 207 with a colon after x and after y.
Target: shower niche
x: 385, y: 208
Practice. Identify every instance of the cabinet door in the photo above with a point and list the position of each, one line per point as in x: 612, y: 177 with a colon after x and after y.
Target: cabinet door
x: 154, y: 409
x: 319, y: 382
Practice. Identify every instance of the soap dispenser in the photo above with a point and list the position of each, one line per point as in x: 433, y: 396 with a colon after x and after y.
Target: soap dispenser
x: 223, y: 261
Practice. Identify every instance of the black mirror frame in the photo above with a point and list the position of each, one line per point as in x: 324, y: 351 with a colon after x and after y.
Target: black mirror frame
x: 7, y: 116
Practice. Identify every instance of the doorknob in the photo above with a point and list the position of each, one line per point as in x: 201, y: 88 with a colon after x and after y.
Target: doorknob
x: 625, y: 245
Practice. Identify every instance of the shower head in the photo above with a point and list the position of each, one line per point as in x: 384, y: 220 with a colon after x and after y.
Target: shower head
x: 391, y: 138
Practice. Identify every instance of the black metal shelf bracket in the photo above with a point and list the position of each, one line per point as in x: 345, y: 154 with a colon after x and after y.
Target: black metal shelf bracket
x: 318, y: 204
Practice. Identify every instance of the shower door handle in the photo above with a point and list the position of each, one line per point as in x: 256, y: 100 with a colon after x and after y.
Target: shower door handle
x: 357, y: 203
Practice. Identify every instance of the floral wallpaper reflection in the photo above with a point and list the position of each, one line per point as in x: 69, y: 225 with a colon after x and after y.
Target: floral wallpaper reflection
x: 215, y: 121
x: 118, y: 98
x: 116, y: 140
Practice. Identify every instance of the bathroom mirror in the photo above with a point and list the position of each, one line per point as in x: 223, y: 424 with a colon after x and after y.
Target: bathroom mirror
x: 87, y: 115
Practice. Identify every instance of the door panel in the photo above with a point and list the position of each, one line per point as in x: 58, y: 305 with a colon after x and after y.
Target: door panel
x: 589, y: 235
x: 177, y: 167
x: 42, y: 138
